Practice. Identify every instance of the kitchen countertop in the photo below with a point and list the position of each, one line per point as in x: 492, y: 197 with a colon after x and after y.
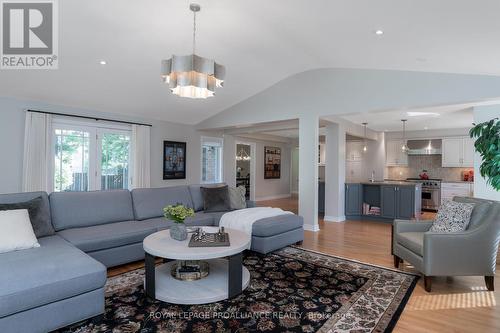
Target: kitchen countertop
x: 442, y: 181
x: 457, y: 181
x: 388, y: 182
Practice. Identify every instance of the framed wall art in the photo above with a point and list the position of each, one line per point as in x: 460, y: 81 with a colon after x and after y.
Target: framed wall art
x: 174, y: 160
x: 272, y: 162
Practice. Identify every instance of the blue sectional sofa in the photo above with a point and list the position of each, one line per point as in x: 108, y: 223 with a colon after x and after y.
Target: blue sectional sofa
x: 62, y: 281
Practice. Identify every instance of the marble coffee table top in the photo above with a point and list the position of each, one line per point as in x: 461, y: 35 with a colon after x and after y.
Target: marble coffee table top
x: 160, y: 244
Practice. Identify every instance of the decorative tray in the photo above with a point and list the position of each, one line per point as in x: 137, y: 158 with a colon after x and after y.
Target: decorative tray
x: 209, y: 239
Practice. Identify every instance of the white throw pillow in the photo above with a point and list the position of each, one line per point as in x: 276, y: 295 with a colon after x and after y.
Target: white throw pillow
x: 16, y: 231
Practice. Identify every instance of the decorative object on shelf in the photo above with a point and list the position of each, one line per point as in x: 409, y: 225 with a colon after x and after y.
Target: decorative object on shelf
x: 178, y: 213
x: 487, y: 144
x: 365, y: 147
x: 201, y: 238
x: 192, y: 76
x: 424, y: 175
x: 468, y: 176
x: 242, y: 155
x: 404, y: 148
x: 174, y: 160
x: 272, y: 162
x: 190, y: 270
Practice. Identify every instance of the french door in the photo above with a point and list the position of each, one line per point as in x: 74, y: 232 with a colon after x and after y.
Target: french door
x: 88, y: 158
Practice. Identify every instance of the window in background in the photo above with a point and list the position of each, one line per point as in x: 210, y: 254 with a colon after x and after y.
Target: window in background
x: 90, y: 158
x: 211, y: 160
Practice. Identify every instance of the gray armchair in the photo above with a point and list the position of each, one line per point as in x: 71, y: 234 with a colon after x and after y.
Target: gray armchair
x: 470, y: 252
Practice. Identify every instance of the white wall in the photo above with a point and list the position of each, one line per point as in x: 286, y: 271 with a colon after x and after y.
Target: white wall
x: 12, y: 142
x: 266, y: 189
x: 481, y: 189
x: 375, y: 158
x: 295, y: 170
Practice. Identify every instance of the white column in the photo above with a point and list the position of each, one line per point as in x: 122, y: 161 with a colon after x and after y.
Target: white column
x: 335, y: 173
x: 308, y: 171
x: 229, y: 157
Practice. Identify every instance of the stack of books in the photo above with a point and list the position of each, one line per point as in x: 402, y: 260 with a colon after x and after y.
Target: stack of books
x: 374, y: 211
x: 370, y: 210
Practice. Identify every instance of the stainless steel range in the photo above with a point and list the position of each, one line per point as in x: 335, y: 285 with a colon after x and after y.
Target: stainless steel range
x: 431, y: 192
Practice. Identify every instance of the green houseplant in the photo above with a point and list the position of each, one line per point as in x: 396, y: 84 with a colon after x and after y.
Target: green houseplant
x: 178, y: 213
x: 487, y: 144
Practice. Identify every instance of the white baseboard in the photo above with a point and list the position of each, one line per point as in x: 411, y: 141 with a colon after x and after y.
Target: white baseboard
x: 314, y: 228
x: 273, y: 197
x: 328, y: 218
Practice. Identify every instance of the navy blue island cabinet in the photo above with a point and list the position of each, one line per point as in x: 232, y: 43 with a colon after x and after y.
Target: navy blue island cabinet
x: 353, y: 199
x: 385, y: 200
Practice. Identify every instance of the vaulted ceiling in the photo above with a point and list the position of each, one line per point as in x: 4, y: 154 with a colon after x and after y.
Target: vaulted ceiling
x: 260, y: 42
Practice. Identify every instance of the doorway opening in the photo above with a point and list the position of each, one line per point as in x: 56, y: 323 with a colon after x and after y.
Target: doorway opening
x: 245, y: 168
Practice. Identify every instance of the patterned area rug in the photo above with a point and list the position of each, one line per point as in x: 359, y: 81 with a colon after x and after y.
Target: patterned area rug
x: 291, y: 290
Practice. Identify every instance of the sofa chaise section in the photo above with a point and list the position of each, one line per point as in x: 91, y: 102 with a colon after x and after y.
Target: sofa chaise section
x: 49, y: 287
x: 276, y: 232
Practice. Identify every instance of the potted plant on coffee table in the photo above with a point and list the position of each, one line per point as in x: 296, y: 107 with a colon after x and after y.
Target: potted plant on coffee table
x: 178, y: 213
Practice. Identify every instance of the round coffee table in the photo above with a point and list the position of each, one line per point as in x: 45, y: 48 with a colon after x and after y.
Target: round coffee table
x: 227, y: 278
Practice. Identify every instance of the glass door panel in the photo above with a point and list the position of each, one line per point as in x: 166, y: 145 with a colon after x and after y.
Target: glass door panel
x: 71, y: 162
x: 115, y: 156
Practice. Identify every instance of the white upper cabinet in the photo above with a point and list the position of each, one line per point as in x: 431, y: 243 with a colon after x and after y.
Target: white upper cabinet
x: 458, y: 152
x: 394, y: 154
x: 468, y: 159
x: 354, y: 150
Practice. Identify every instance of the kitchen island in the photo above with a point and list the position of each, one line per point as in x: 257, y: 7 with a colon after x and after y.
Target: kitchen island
x: 383, y: 200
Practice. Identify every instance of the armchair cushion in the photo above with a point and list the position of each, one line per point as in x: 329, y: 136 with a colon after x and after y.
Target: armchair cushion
x: 452, y: 217
x: 413, y: 241
x: 412, y: 226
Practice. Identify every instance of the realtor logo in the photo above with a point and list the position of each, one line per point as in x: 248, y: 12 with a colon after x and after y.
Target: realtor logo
x: 29, y: 34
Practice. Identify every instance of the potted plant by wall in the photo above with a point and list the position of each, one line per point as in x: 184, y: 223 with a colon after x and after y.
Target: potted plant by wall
x: 487, y: 144
x: 178, y: 213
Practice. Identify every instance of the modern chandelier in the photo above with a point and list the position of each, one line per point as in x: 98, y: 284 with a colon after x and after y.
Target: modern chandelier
x: 242, y: 155
x: 192, y: 76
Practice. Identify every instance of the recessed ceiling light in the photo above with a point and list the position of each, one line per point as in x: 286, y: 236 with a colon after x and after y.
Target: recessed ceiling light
x: 420, y: 114
x: 379, y: 32
x: 103, y: 62
x: 426, y: 128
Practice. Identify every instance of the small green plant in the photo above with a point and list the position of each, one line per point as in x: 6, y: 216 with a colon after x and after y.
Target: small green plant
x: 487, y: 144
x: 177, y: 213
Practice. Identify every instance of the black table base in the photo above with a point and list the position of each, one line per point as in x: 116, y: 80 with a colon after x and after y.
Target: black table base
x: 235, y: 275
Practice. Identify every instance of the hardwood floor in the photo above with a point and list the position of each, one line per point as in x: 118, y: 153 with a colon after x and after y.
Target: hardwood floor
x: 456, y: 304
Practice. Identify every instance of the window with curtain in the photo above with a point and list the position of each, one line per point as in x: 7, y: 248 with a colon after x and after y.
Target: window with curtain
x: 211, y: 160
x: 89, y: 157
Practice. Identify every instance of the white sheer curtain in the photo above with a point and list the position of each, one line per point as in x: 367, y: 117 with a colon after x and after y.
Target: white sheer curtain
x: 141, y: 156
x: 37, y: 152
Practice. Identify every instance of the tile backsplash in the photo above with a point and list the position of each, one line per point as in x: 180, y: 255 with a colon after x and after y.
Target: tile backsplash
x: 431, y: 163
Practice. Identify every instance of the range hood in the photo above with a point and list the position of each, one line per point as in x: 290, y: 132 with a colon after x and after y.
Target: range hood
x: 424, y: 147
